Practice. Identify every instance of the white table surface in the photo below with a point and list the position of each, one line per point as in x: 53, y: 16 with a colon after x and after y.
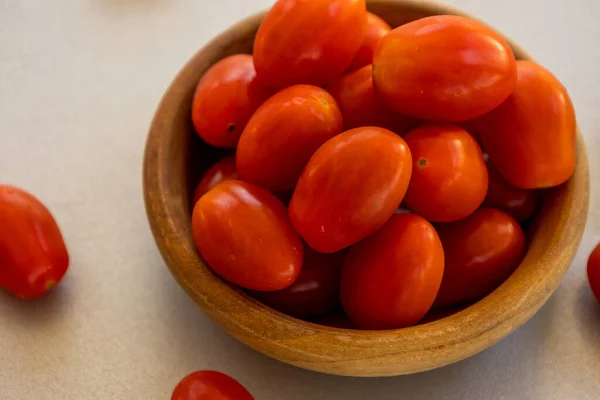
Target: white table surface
x: 79, y: 82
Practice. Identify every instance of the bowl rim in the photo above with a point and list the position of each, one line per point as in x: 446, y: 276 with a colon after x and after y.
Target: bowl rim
x: 341, y: 351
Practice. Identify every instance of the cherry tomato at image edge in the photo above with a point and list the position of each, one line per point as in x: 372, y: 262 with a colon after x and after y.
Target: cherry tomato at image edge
x: 209, y: 385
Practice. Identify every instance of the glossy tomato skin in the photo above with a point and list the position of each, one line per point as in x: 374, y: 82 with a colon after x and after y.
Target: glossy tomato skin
x: 443, y: 68
x: 315, y: 292
x: 235, y: 225
x: 450, y: 177
x: 377, y: 28
x: 210, y: 385
x: 308, y: 42
x: 481, y: 251
x: 225, y: 98
x: 222, y: 170
x: 33, y: 255
x: 391, y: 279
x: 360, y: 106
x: 529, y: 151
x: 521, y: 204
x: 350, y: 187
x: 284, y: 133
x: 593, y: 271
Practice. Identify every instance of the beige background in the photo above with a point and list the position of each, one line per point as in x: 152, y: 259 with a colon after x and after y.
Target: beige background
x: 79, y: 82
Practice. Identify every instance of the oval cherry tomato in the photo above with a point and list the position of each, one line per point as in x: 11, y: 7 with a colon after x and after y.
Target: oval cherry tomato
x: 350, y: 187
x: 315, y: 292
x: 449, y: 179
x: 520, y: 204
x: 390, y: 279
x: 376, y: 29
x: 235, y: 225
x: 360, y: 106
x: 443, y: 68
x: 33, y: 256
x: 210, y: 385
x: 225, y: 98
x: 529, y: 151
x: 308, y: 42
x: 481, y: 251
x: 223, y: 170
x: 284, y: 133
x: 593, y: 271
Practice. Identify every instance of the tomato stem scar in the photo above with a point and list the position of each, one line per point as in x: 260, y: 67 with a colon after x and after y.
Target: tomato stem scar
x: 422, y: 162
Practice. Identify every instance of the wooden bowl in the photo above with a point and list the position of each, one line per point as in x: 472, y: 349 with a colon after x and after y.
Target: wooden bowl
x: 173, y: 162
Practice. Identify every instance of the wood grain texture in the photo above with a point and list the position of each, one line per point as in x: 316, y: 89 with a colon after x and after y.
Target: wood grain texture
x: 175, y: 158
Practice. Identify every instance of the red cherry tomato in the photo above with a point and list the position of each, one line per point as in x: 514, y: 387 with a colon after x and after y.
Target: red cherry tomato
x: 360, y: 106
x: 376, y: 29
x: 521, y: 204
x: 481, y: 251
x: 308, y: 42
x: 244, y: 234
x: 390, y: 279
x: 315, y: 292
x: 350, y: 187
x: 443, y: 68
x: 593, y: 271
x: 223, y: 170
x: 284, y: 133
x: 529, y: 150
x: 225, y: 98
x: 449, y: 179
x: 33, y: 256
x: 210, y: 385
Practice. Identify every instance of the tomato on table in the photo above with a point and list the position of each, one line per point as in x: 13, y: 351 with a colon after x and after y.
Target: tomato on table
x: 350, y: 187
x: 593, y: 271
x: 390, y: 279
x: 33, y: 255
x: 481, y: 251
x: 530, y: 151
x: 210, y: 385
x: 449, y: 179
x: 360, y: 106
x: 520, y: 204
x: 443, y: 68
x: 284, y: 133
x: 222, y: 170
x: 315, y: 292
x: 225, y: 98
x: 235, y: 225
x: 308, y: 42
x: 377, y: 28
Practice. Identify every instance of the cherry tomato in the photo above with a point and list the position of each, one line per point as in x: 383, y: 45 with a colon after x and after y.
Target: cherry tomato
x: 360, y: 106
x: 481, y: 251
x: 443, y: 68
x: 376, y: 29
x: 390, y: 279
x: 244, y: 234
x: 593, y: 271
x: 225, y: 98
x: 531, y: 151
x: 33, y: 256
x: 223, y: 170
x: 315, y: 292
x: 284, y: 133
x: 449, y: 179
x: 521, y: 204
x: 308, y: 42
x: 210, y: 385
x: 350, y: 187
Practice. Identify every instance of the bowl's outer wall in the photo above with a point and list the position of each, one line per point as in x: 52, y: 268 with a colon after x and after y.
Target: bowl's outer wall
x: 174, y: 160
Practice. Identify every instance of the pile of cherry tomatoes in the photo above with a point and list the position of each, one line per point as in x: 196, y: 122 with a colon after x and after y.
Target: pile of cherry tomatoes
x: 386, y: 170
